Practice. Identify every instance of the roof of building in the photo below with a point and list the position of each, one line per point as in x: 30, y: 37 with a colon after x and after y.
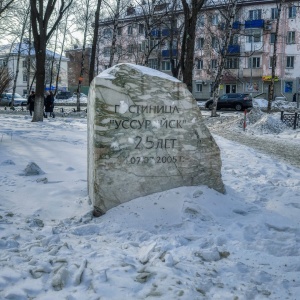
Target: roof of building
x: 13, y: 49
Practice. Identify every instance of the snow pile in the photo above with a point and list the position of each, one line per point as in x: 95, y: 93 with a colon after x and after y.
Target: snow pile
x: 260, y: 102
x: 268, y: 124
x: 281, y: 105
x: 186, y: 243
x: 264, y: 123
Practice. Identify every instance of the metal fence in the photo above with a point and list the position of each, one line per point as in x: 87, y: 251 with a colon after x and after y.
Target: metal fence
x: 290, y: 119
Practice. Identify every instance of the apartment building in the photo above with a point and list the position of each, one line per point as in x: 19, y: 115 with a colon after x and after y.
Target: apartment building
x: 26, y: 74
x: 249, y: 60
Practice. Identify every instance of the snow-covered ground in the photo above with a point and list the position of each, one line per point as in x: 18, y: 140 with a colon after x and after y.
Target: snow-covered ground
x: 187, y: 243
x: 83, y: 99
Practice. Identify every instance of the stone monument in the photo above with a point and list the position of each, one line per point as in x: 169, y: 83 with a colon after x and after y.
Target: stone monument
x: 145, y: 135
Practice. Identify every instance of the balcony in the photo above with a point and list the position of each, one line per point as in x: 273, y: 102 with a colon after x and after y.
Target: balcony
x: 234, y: 50
x: 166, y: 53
x: 255, y: 23
x: 168, y: 31
x: 255, y: 72
x: 236, y: 25
x: 155, y: 33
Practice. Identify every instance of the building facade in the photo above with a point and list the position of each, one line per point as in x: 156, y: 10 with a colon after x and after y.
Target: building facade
x: 248, y: 65
x: 26, y: 74
x: 76, y: 58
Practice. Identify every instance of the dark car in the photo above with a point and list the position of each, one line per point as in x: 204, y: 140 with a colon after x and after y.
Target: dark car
x: 237, y: 101
x: 63, y: 95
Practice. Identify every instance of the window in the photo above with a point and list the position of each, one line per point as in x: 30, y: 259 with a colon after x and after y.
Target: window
x: 291, y: 37
x: 288, y: 86
x: 24, y: 77
x: 234, y: 40
x: 292, y: 12
x: 254, y: 37
x: 130, y: 48
x: 200, y: 21
x: 24, y: 64
x: 159, y: 7
x: 141, y: 28
x: 106, y: 51
x: 129, y: 29
x: 214, y: 42
x: 199, y: 64
x: 107, y: 32
x: 232, y: 63
x: 119, y: 49
x: 3, y: 63
x: 200, y: 43
x: 142, y: 46
x: 272, y: 38
x: 290, y: 62
x: 153, y: 63
x: 254, y: 62
x: 153, y: 44
x: 213, y: 63
x: 255, y: 14
x: 274, y: 13
x: 165, y: 66
x: 215, y: 19
x: 271, y: 62
x: 119, y: 31
x: 198, y: 87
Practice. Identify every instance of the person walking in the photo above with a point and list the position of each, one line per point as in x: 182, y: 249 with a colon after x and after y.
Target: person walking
x: 30, y: 102
x: 49, y: 105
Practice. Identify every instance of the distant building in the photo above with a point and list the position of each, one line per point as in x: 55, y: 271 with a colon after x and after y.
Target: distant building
x: 74, y: 67
x: 9, y: 55
x: 249, y: 59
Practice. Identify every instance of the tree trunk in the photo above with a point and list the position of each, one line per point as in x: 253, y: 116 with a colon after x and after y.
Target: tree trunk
x: 271, y: 87
x: 223, y: 55
x: 18, y: 58
x: 188, y: 42
x: 82, y: 58
x: 60, y: 57
x: 40, y: 16
x: 114, y: 38
x: 95, y: 42
x: 40, y: 80
x: 53, y: 60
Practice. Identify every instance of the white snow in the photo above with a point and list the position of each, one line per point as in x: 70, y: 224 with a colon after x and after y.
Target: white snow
x: 186, y: 243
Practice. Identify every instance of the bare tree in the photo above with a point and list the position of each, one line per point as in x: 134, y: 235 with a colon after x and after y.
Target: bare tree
x: 41, y: 13
x: 6, y: 77
x: 61, y: 52
x: 228, y: 13
x: 190, y: 10
x: 95, y: 41
x: 86, y: 21
x: 4, y: 5
x: 274, y: 57
x: 20, y: 49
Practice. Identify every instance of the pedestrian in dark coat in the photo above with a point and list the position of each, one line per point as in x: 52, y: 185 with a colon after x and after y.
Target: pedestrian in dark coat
x: 295, y: 97
x: 30, y: 102
x: 49, y: 105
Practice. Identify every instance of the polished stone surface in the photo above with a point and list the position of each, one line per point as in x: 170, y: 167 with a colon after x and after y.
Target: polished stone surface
x: 145, y: 135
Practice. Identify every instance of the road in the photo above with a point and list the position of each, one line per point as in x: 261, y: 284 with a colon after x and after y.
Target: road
x: 289, y: 152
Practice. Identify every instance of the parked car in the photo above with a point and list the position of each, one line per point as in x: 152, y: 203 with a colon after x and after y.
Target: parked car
x: 5, y: 99
x: 237, y: 101
x: 63, y: 95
